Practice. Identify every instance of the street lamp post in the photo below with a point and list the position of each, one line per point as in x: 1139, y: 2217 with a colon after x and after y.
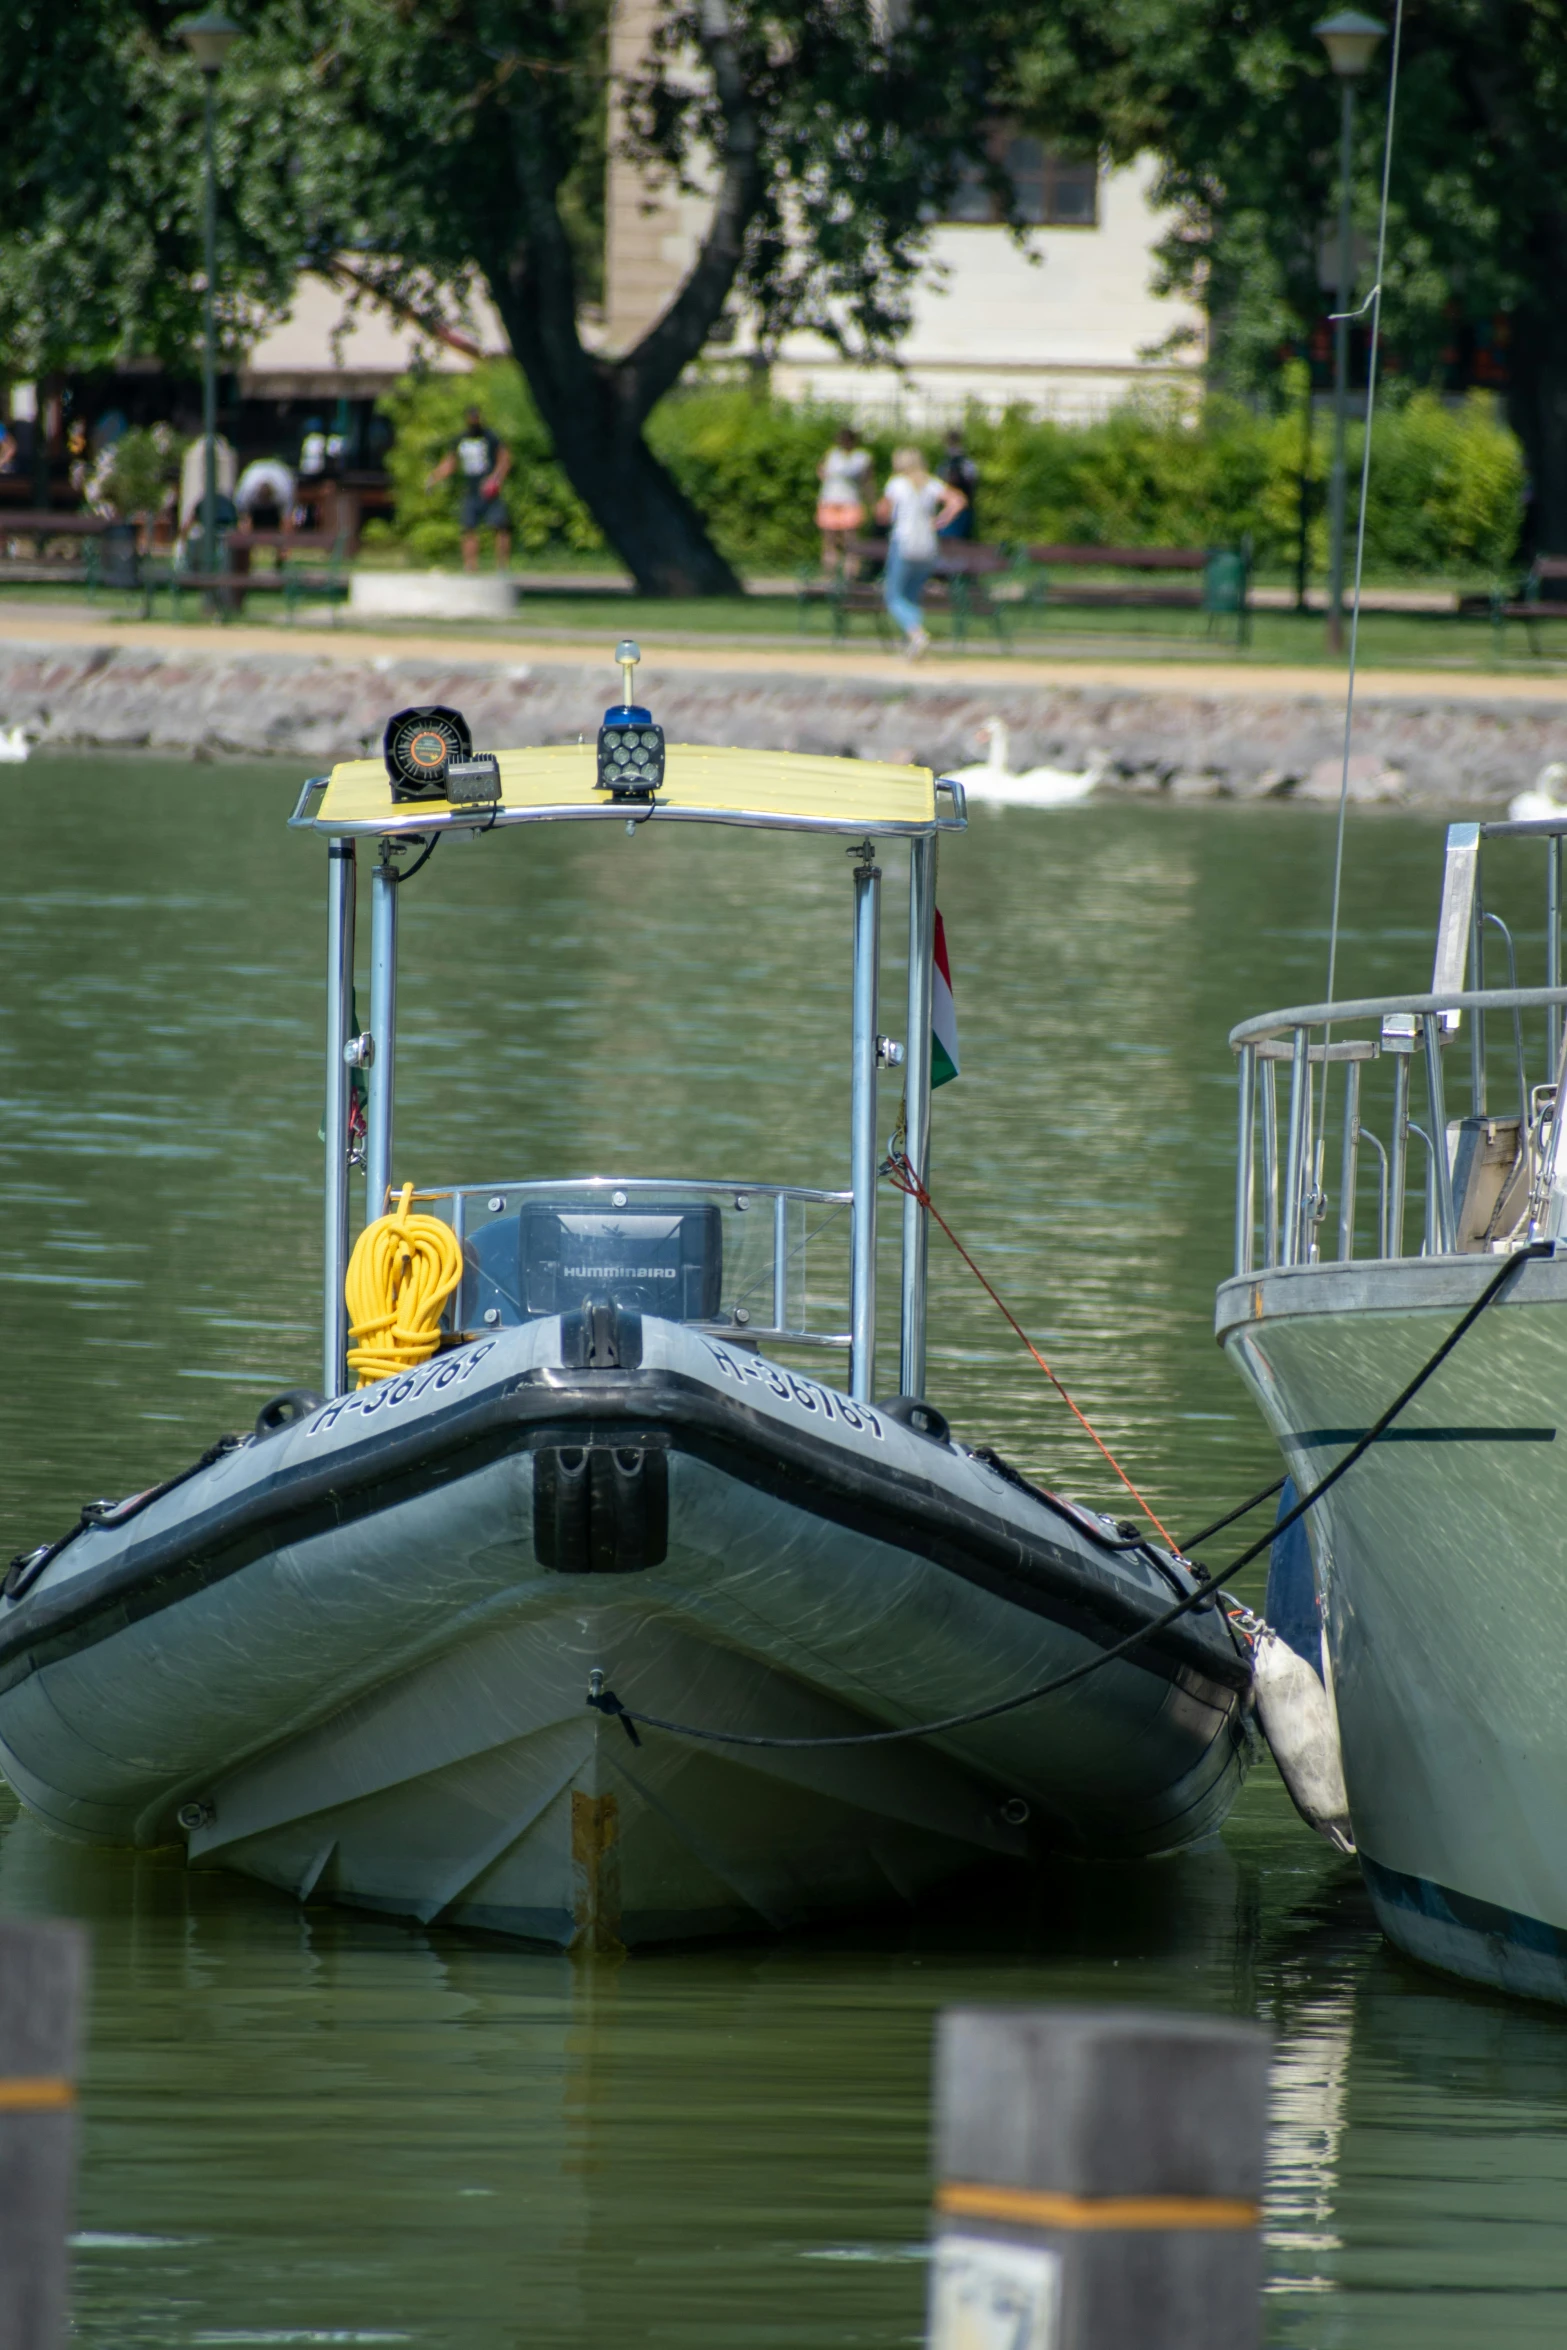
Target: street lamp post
x: 209, y: 38
x: 1350, y: 40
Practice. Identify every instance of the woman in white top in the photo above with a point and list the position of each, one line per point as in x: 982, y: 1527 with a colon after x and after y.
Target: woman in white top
x: 916, y: 506
x: 840, y: 510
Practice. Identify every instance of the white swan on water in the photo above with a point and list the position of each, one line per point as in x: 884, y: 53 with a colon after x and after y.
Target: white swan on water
x: 1548, y: 797
x: 1037, y: 787
x: 13, y: 745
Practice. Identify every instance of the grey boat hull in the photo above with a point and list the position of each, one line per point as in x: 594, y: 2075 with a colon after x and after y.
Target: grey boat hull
x: 1438, y: 1565
x: 353, y: 1660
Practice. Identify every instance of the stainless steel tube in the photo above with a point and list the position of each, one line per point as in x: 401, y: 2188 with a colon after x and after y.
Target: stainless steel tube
x: 863, y: 1156
x: 1384, y: 1245
x: 1311, y: 1165
x: 383, y: 1029
x: 780, y: 1261
x: 1431, y: 1244
x: 1553, y: 948
x: 1477, y: 1031
x: 339, y: 1027
x: 1270, y: 1163
x: 1398, y: 1156
x: 916, y: 1095
x: 1349, y: 1171
x: 1446, y: 1218
x: 1295, y: 1152
x: 1245, y: 1174
x: 453, y: 1317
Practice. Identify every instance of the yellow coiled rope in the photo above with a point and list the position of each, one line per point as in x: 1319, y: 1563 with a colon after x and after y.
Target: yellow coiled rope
x: 402, y: 1271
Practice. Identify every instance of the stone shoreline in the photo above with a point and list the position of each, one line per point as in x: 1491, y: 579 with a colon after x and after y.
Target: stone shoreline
x: 1443, y: 752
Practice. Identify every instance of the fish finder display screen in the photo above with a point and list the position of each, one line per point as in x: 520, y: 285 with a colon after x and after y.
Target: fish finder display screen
x: 651, y: 1259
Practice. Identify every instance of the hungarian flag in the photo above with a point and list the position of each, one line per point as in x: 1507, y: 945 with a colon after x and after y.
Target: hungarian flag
x: 944, y: 1061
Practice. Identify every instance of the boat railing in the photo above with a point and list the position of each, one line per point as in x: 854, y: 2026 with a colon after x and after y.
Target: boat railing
x: 781, y: 1270
x: 1490, y: 1181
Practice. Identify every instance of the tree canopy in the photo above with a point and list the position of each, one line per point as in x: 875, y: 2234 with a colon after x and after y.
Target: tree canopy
x: 445, y: 143
x: 1237, y: 98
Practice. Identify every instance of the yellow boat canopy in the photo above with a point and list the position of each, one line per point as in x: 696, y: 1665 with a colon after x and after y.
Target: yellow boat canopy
x: 781, y: 791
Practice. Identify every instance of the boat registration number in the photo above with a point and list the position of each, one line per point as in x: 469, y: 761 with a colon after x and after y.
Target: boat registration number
x: 789, y: 1387
x: 445, y: 1371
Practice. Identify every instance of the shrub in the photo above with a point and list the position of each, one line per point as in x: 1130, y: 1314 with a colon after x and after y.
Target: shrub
x: 749, y: 466
x: 1446, y: 482
x: 427, y: 412
x: 135, y: 473
x: 1446, y: 490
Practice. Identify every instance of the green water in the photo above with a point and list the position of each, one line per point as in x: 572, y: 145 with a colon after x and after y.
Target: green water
x: 314, y: 2127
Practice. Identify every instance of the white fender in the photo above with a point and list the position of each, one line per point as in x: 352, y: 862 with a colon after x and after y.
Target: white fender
x: 1298, y: 1722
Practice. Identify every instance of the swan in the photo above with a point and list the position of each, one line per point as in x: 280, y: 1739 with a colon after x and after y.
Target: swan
x: 1548, y: 798
x: 13, y: 745
x: 1037, y: 787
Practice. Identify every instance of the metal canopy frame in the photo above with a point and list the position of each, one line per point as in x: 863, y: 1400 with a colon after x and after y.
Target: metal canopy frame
x: 375, y: 1051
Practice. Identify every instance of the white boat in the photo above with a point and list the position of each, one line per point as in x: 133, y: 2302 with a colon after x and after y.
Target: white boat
x: 376, y: 1651
x: 1437, y: 1558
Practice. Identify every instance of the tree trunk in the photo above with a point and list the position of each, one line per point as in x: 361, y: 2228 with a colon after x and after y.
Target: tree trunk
x: 594, y: 411
x: 1537, y: 411
x: 635, y: 500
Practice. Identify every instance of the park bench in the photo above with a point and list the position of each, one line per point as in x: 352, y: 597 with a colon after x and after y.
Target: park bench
x: 40, y: 524
x: 230, y: 586
x: 1220, y: 585
x: 960, y: 584
x: 20, y: 487
x: 1540, y: 595
x: 970, y: 575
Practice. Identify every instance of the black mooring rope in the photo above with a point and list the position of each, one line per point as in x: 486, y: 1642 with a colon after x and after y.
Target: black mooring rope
x: 605, y: 1701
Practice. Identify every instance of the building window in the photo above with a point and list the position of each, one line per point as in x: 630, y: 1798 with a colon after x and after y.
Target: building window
x: 1053, y: 190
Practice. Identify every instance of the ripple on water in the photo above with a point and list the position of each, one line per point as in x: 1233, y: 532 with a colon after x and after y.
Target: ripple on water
x: 315, y: 2128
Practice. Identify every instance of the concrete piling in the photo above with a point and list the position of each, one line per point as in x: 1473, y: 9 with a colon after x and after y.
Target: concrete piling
x: 1099, y: 2180
x: 43, y: 1980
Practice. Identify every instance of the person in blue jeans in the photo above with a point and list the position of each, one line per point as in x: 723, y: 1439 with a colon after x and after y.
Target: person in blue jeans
x: 915, y: 507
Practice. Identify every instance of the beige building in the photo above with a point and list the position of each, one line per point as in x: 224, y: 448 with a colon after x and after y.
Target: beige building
x: 329, y: 346
x: 1066, y: 323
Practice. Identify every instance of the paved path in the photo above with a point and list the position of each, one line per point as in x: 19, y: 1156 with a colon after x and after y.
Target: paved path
x: 854, y: 663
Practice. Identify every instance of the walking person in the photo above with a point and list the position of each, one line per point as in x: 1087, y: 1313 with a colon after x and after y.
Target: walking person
x: 483, y: 463
x: 840, y: 510
x: 916, y: 507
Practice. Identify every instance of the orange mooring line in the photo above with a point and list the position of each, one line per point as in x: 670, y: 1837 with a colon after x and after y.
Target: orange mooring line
x: 904, y: 1177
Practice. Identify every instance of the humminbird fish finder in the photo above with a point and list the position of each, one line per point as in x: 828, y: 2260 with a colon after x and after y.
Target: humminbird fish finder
x: 660, y: 1257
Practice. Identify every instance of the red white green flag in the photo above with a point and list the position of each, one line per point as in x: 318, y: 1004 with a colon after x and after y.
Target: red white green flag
x: 944, y: 1062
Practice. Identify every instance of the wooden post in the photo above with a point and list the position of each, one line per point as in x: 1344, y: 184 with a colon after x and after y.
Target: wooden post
x: 43, y: 1978
x: 1099, y: 2180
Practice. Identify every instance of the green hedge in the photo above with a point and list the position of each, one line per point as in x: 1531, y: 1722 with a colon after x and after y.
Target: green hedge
x: 1446, y: 482
x: 426, y: 413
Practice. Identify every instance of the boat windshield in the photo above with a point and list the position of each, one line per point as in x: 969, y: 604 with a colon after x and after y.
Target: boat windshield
x: 750, y: 1260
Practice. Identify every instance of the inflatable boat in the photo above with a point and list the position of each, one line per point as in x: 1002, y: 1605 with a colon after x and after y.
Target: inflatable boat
x: 580, y: 1602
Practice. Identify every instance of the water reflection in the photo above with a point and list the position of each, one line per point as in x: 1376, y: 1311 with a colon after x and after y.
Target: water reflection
x: 309, y: 2127
x: 303, y: 2126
